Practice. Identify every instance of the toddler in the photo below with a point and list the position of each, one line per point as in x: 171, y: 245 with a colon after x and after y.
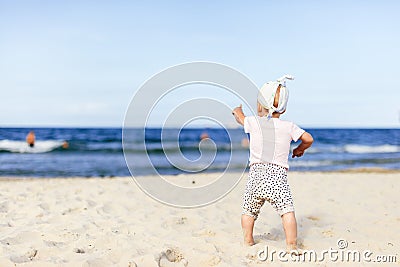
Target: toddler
x: 270, y: 140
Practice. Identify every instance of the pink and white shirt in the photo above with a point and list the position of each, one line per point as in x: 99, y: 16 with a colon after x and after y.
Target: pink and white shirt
x: 270, y: 139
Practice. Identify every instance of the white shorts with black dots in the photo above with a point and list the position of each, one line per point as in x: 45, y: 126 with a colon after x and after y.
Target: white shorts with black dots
x: 267, y: 182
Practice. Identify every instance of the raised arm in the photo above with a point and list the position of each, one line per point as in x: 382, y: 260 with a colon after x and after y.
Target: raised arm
x: 306, y: 142
x: 239, y: 115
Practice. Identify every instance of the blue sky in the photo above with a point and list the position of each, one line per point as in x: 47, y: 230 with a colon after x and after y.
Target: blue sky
x: 78, y: 63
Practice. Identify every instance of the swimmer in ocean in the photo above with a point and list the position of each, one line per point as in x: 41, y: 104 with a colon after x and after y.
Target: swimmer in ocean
x: 30, y: 139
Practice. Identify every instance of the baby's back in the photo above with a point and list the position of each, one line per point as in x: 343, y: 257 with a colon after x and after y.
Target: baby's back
x: 270, y: 139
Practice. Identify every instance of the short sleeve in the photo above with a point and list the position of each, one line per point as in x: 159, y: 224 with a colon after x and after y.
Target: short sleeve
x: 248, y: 124
x: 296, y: 132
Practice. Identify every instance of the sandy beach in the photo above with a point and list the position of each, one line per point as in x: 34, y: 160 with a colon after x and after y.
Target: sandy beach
x: 111, y: 222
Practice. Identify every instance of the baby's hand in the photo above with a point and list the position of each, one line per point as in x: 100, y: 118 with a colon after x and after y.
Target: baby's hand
x: 237, y: 110
x: 306, y: 142
x: 297, y: 152
x: 239, y: 115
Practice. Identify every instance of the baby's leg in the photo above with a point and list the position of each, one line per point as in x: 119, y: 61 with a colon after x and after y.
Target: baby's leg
x: 247, y: 227
x: 290, y: 227
x: 252, y: 204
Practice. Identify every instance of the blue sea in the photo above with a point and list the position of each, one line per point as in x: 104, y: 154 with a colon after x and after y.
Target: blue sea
x: 100, y: 153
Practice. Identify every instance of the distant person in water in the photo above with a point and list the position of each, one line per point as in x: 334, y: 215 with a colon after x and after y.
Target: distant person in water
x: 30, y: 139
x: 65, y: 145
x: 204, y: 135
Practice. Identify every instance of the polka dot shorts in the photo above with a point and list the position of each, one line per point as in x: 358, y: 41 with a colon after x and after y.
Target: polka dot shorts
x: 267, y: 182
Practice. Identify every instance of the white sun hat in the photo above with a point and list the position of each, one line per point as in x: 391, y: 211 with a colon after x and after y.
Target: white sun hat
x: 266, y: 95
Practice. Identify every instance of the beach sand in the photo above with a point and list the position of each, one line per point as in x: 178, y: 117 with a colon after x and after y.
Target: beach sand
x: 111, y: 222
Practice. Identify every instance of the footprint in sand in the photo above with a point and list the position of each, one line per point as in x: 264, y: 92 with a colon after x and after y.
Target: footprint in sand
x: 181, y: 220
x: 171, y: 257
x: 44, y: 206
x: 175, y: 221
x: 111, y: 208
x: 79, y: 250
x: 313, y: 218
x: 21, y: 238
x: 50, y: 243
x: 328, y: 233
x: 91, y: 203
x: 27, y: 257
x: 275, y: 235
x: 4, y: 207
x: 204, y: 232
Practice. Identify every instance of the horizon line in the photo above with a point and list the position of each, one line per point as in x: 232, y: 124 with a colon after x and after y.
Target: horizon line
x: 190, y: 127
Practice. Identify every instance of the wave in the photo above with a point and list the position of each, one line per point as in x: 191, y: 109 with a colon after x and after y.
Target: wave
x: 343, y: 162
x: 363, y: 149
x: 231, y: 148
x: 80, y: 146
x: 311, y: 163
x: 352, y: 149
x: 23, y: 147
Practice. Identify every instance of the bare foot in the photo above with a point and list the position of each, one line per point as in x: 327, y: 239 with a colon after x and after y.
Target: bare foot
x: 249, y: 244
x: 292, y: 249
x: 247, y: 227
x: 248, y: 240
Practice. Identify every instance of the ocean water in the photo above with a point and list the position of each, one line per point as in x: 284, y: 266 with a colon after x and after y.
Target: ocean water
x: 100, y: 153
